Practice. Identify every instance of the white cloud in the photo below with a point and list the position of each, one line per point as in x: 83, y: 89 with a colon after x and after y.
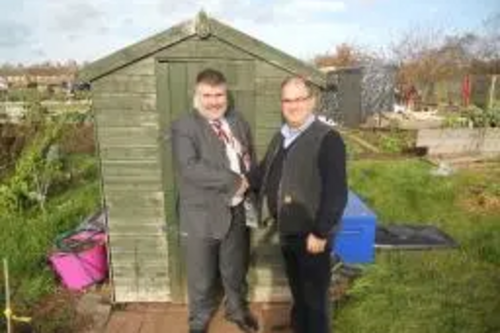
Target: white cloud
x: 90, y: 29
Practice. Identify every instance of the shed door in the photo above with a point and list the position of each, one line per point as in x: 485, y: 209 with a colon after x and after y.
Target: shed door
x: 176, y: 80
x: 350, y: 96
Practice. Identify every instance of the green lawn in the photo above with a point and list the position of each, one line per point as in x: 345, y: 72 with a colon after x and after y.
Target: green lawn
x: 429, y: 291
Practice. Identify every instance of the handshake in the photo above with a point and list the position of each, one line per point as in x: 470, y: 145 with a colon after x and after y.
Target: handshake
x: 244, y: 185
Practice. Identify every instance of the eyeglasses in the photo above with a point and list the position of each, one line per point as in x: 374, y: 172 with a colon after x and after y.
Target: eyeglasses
x: 295, y: 100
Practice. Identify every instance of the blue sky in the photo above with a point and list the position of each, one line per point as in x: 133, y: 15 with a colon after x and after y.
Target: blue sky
x: 38, y: 30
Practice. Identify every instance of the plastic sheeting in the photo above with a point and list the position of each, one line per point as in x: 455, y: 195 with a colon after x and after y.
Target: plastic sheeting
x: 412, y: 237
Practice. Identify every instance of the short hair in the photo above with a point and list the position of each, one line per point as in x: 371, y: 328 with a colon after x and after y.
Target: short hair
x: 296, y: 79
x: 211, y: 77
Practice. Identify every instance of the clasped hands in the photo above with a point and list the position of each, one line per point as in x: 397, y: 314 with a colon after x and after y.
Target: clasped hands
x: 244, y: 185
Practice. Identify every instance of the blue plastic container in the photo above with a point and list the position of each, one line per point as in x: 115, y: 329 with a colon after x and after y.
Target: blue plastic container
x: 355, y: 241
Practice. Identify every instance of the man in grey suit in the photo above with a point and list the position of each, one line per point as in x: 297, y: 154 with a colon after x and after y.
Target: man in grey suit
x: 213, y: 149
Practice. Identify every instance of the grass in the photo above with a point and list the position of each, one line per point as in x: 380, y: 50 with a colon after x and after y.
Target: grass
x: 28, y: 237
x: 429, y: 291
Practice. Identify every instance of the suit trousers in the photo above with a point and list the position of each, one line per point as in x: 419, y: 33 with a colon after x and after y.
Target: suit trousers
x: 211, y: 261
x: 309, y: 278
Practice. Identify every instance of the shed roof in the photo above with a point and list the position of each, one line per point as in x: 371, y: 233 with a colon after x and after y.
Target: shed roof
x: 203, y: 26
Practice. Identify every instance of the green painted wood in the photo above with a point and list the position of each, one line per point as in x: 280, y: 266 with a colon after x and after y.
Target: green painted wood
x: 151, y: 267
x: 266, y: 69
x: 124, y: 199
x: 101, y: 102
x: 131, y: 230
x: 150, y: 219
x: 122, y: 211
x: 269, y: 121
x: 112, y: 177
x: 138, y: 287
x: 245, y: 104
x: 142, y: 279
x: 127, y: 294
x: 263, y: 135
x: 178, y: 88
x: 124, y: 136
x: 194, y: 47
x: 123, y: 185
x: 269, y: 115
x: 123, y: 258
x: 129, y: 153
x: 270, y: 102
x: 164, y: 82
x: 126, y: 118
x: 138, y: 243
x: 142, y: 67
x: 136, y: 51
x: 148, y: 178
x: 129, y: 215
x: 117, y: 83
x: 131, y: 168
x: 268, y: 86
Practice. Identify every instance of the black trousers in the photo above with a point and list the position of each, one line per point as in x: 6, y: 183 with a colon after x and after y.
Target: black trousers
x: 211, y: 261
x: 309, y: 278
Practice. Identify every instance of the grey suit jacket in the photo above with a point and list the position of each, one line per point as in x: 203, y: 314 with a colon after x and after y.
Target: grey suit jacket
x: 205, y: 182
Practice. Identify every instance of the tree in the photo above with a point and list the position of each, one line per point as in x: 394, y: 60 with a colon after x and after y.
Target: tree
x: 345, y: 55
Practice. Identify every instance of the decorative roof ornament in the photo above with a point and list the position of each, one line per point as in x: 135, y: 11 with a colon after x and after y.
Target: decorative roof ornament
x: 202, y: 25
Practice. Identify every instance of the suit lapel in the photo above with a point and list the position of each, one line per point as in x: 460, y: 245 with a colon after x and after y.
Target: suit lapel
x: 236, y: 129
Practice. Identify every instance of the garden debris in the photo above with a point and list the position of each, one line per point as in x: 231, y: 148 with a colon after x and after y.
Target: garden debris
x: 79, y: 257
x: 409, y: 120
x: 443, y: 170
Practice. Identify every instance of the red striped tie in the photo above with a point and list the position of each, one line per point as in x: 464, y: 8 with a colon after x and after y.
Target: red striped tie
x: 221, y: 134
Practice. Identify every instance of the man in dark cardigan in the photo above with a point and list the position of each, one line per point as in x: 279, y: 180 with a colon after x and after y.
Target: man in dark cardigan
x: 303, y: 181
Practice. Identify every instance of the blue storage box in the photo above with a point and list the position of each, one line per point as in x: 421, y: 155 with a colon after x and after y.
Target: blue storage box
x: 355, y: 241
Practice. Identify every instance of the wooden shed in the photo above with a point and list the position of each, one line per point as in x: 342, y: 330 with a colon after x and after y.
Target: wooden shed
x: 136, y: 93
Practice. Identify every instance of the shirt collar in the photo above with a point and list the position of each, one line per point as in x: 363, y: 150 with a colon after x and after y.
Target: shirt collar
x: 288, y: 131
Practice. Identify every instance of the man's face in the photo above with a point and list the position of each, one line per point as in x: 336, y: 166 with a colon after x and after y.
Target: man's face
x: 212, y: 100
x: 296, y: 103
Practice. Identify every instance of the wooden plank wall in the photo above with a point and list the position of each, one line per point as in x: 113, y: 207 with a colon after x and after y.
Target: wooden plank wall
x: 128, y: 132
x: 268, y: 105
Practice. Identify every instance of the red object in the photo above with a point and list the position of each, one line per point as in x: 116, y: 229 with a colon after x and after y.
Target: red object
x: 84, y: 267
x: 466, y: 90
x: 217, y: 126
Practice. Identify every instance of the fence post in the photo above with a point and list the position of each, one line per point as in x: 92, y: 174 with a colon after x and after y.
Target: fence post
x: 491, y: 95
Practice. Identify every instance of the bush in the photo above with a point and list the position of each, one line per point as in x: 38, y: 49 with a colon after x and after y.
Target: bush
x: 483, y: 118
